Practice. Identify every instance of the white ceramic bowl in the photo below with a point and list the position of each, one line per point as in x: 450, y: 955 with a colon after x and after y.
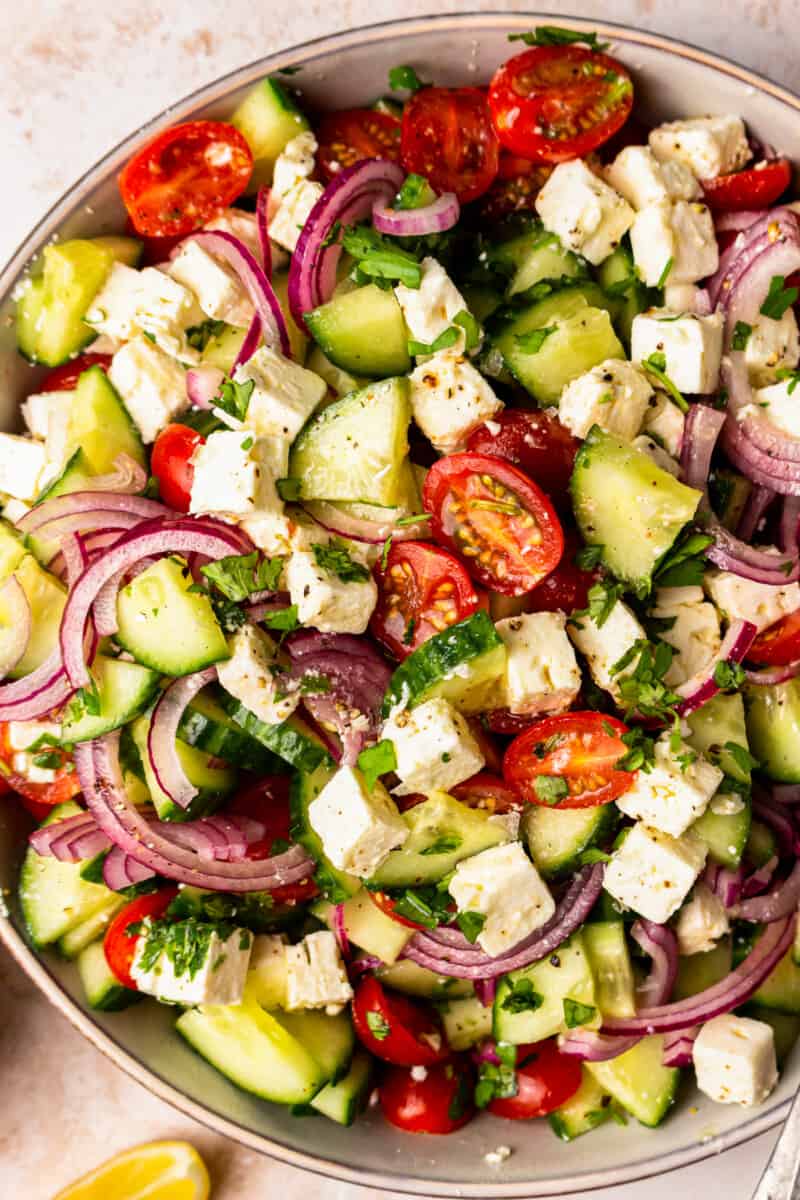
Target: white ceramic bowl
x: 351, y: 68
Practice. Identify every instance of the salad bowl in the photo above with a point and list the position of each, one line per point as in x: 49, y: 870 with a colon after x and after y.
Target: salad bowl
x: 349, y: 69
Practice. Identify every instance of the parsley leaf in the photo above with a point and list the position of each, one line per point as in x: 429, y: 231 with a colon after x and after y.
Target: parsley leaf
x: 602, y: 597
x: 49, y: 760
x: 416, y: 192
x: 588, y: 557
x: 377, y: 760
x: 237, y: 576
x: 378, y: 258
x: 554, y: 35
x: 643, y: 689
x: 550, y: 788
x: 741, y: 335
x: 470, y: 924
x: 314, y: 685
x: 522, y: 997
x: 532, y: 342
x: 282, y: 619
x: 641, y: 750
x: 779, y: 298
x: 335, y: 558
x: 668, y: 265
x: 656, y: 365
x: 405, y: 78
x: 685, y: 564
x: 729, y: 676
x: 289, y: 488
x: 234, y: 398
x: 576, y: 1013
x: 495, y: 1082
x: 742, y: 757
x: 198, y: 336
x: 460, y: 1099
x: 789, y: 373
x: 471, y: 327
x: 186, y: 944
x: 426, y: 905
x: 448, y: 337
x: 444, y: 844
x: 379, y: 1027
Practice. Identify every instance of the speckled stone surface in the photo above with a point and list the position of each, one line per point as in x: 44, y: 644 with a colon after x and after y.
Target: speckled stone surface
x: 75, y: 77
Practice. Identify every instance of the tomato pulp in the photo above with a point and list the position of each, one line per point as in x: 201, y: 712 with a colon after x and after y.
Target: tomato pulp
x: 568, y: 761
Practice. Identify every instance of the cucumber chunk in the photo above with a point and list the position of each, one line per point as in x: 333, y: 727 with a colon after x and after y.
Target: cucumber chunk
x: 99, y: 424
x: 46, y: 596
x: 222, y: 349
x: 292, y: 740
x: 719, y: 721
x: 328, y: 1039
x: 363, y: 332
x: 356, y: 447
x: 339, y: 381
x: 165, y: 625
x: 103, y: 990
x: 408, y: 976
x: 773, y: 729
x: 213, y: 783
x: 367, y: 926
x: 206, y: 726
x: 618, y: 270
x: 466, y: 1021
x: 696, y: 972
x: 781, y: 989
x: 611, y: 965
x: 125, y: 690
x: 306, y: 786
x: 533, y: 257
x: 268, y: 118
x: 589, y: 1107
x: 298, y: 339
x: 725, y: 834
x: 762, y: 844
x: 462, y: 664
x: 75, y: 940
x: 557, y: 838
x: 343, y: 1101
x: 566, y: 975
x: 639, y: 1082
x: 629, y: 506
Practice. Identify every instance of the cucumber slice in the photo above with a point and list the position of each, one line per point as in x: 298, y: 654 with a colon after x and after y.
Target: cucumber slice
x: 75, y: 940
x: 616, y: 270
x: 343, y: 1101
x: 206, y: 726
x: 462, y: 664
x: 610, y: 961
x: 639, y: 1082
x: 12, y: 550
x: 46, y: 596
x: 52, y: 895
x: 465, y: 1022
x: 339, y: 381
x: 629, y: 506
x: 363, y: 331
x: 565, y: 975
x: 408, y: 976
x: 123, y: 249
x: 589, y: 1107
x: 696, y: 972
x: 762, y: 844
x: 773, y: 729
x: 533, y: 257
x: 76, y: 477
x: 268, y: 118
x: 328, y: 1039
x: 437, y: 817
x: 725, y: 834
x: 99, y: 424
x: 336, y: 885
x: 268, y: 972
x: 729, y: 492
x: 166, y: 626
x: 355, y: 448
x: 556, y: 838
x: 367, y: 927
x: 298, y: 340
x: 719, y: 721
x: 252, y: 1049
x: 254, y: 910
x: 292, y: 740
x: 125, y: 689
x: 213, y: 782
x: 222, y: 349
x: 103, y: 990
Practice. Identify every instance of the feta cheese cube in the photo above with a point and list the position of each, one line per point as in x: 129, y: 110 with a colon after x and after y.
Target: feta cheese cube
x: 589, y: 216
x: 284, y: 396
x: 151, y: 383
x: 653, y: 243
x: 434, y: 746
x: 681, y: 182
x: 709, y: 146
x: 652, y: 872
x: 761, y: 603
x: 778, y: 405
x: 270, y: 531
x: 691, y: 345
x: 664, y: 422
x: 449, y: 399
x: 22, y: 465
x: 294, y: 164
x: 658, y: 454
x: 701, y: 921
x: 504, y: 886
x: 293, y: 212
x: 21, y: 736
x: 251, y: 676
x: 358, y: 828
x: 219, y: 291
x: 47, y: 417
x: 685, y: 297
x: 734, y: 1060
x: 696, y: 250
x: 613, y: 395
x: 218, y: 978
x: 324, y: 600
x: 37, y: 407
x: 604, y: 645
x: 315, y: 974
x: 15, y: 510
x: 694, y: 633
x: 636, y: 174
x: 541, y: 673
x: 773, y: 345
x: 235, y: 474
x: 133, y: 302
x: 672, y: 794
x: 429, y: 309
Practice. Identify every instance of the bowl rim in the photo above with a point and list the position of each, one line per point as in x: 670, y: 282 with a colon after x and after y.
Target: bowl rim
x: 36, y: 968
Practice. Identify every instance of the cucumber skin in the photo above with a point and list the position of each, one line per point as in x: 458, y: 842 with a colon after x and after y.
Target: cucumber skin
x: 773, y: 729
x: 290, y: 742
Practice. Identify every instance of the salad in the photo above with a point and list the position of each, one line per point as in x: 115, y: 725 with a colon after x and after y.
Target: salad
x: 400, y: 601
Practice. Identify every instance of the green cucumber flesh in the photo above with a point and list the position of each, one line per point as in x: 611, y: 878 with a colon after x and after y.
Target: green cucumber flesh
x: 696, y: 972
x: 124, y: 689
x: 268, y: 118
x: 328, y: 1039
x: 363, y: 332
x: 785, y: 1028
x: 99, y: 424
x: 781, y: 989
x: 368, y: 927
x: 339, y: 381
x: 407, y: 976
x: 46, y: 597
x: 71, y: 943
x: 587, y: 1108
x: 540, y: 257
x: 639, y: 1082
x: 567, y: 974
x: 762, y: 844
x: 293, y: 740
x: 222, y: 349
x: 466, y: 1021
x: 102, y: 989
x: 719, y: 721
x: 773, y: 729
x: 557, y: 838
x: 213, y: 783
x: 618, y: 268
x: 343, y: 1101
x: 725, y: 834
x: 207, y: 726
x: 610, y: 961
x: 461, y: 664
x: 298, y: 339
x: 256, y: 911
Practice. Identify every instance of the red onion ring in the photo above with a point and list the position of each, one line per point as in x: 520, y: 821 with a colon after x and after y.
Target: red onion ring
x: 702, y: 428
x: 485, y: 990
x: 758, y: 502
x: 726, y: 884
x: 340, y: 931
x: 769, y: 230
x: 203, y: 384
x: 781, y: 902
x: 50, y: 839
x: 262, y: 227
x: 16, y: 633
x: 772, y: 676
x: 437, y: 217
x: 121, y: 871
x: 254, y: 278
x: 361, y: 529
x: 736, y: 222
x: 785, y: 793
x: 83, y: 503
x: 679, y: 1047
x: 252, y: 340
x: 756, y: 883
x: 701, y: 687
x: 161, y: 748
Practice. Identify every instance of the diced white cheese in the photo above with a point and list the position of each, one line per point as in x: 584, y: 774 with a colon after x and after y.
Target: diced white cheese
x: 219, y: 291
x: 429, y: 309
x: 270, y: 531
x: 657, y: 454
x: 21, y: 736
x: 696, y: 250
x: 653, y: 243
x: 694, y: 633
x: 589, y: 216
x: 541, y: 673
x: 133, y: 302
x: 434, y: 746
x: 449, y: 399
x: 293, y: 212
x: 15, y: 510
x: 652, y: 872
x: 613, y: 395
x: 778, y: 405
x: 761, y: 603
x: 284, y: 396
x: 683, y: 297
x: 691, y: 345
x: 771, y: 346
x: 673, y: 793
x: 709, y: 146
x: 604, y: 645
x: 664, y: 421
x: 235, y: 474
x: 504, y: 886
x: 701, y: 922
x: 294, y: 164
x: 315, y: 974
x: 734, y: 1060
x: 636, y: 174
x: 357, y: 828
x: 324, y: 600
x: 47, y: 418
x: 218, y: 979
x: 37, y: 407
x: 680, y: 181
x: 22, y: 465
x: 251, y: 676
x: 151, y: 383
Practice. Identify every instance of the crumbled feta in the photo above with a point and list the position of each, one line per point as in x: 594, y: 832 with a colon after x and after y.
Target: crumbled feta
x: 218, y: 979
x: 36, y: 410
x: 652, y: 872
x: 315, y: 974
x: 294, y: 164
x: 709, y: 146
x: 761, y: 603
x: 665, y: 422
x: 613, y: 395
x: 680, y: 180
x: 219, y: 291
x: 419, y: 1074
x: 434, y: 746
x: 324, y: 600
x: 429, y: 309
x: 541, y: 672
x: 152, y: 385
x: 235, y: 474
x: 778, y: 405
x: 674, y: 792
x: 22, y: 466
x: 251, y: 676
x: 134, y: 302
x: 357, y: 828
x: 604, y: 645
x: 773, y: 346
x: 637, y: 175
x: 449, y: 399
x: 701, y: 922
x: 293, y: 212
x: 691, y: 345
x: 657, y: 454
x: 734, y: 1060
x: 494, y: 1158
x: 696, y: 249
x: 21, y: 735
x: 270, y: 531
x: 589, y: 216
x: 284, y: 394
x: 694, y: 633
x: 504, y: 886
x: 653, y: 243
x: 684, y: 298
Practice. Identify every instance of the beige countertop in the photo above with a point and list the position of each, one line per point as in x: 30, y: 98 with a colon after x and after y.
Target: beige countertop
x: 74, y: 78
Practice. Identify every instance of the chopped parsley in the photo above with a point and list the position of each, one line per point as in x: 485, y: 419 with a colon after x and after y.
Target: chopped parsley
x: 380, y: 260
x: 408, y: 632
x: 185, y: 944
x: 685, y: 564
x: 416, y: 192
x: 379, y: 1027
x: 532, y: 342
x: 198, y: 336
x: 742, y: 757
x: 588, y: 557
x: 576, y: 1013
x: 789, y: 373
x: 641, y: 750
x: 550, y: 788
x: 522, y: 997
x: 471, y: 327
x: 289, y: 488
x: 237, y: 576
x: 428, y: 906
x: 49, y: 760
x: 376, y: 761
x: 234, y: 398
x: 405, y: 79
x: 664, y: 276
x: 602, y: 597
x: 282, y: 619
x: 779, y: 298
x: 335, y: 558
x: 729, y: 676
x: 448, y: 337
x: 741, y: 335
x: 446, y: 843
x: 656, y: 365
x: 643, y: 690
x: 470, y: 924
x: 554, y: 35
x: 314, y: 685
x: 496, y: 1081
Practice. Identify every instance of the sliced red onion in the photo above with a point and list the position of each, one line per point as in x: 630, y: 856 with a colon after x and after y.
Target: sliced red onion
x: 589, y: 1045
x: 202, y: 386
x: 781, y: 902
x: 485, y: 990
x: 702, y: 428
x: 339, y: 930
x: 760, y: 880
x: 252, y: 340
x: 254, y: 278
x: 361, y: 529
x: 361, y: 966
x: 162, y: 751
x: 773, y: 675
x: 758, y: 502
x: 779, y: 254
x: 772, y: 229
x: 16, y: 633
x: 50, y: 840
x: 118, y: 505
x: 121, y: 871
x: 679, y: 1047
x: 785, y: 793
x: 262, y: 227
x: 437, y: 217
x: 702, y: 306
x: 350, y: 197
x: 736, y: 222
x: 726, y: 884
x: 701, y: 687
x: 485, y: 1052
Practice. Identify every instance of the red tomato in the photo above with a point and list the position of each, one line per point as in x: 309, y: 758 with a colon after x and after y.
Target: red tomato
x: 537, y: 442
x: 780, y: 644
x: 396, y: 1029
x: 496, y: 519
x: 422, y: 591
x: 485, y: 790
x: 447, y: 136
x: 65, y: 378
x: 354, y: 133
x: 39, y: 798
x: 552, y: 103
x: 579, y: 748
x: 545, y: 1081
x: 171, y: 464
x: 387, y: 906
x: 185, y: 176
x: 758, y: 187
x: 440, y: 1103
x: 516, y: 187
x: 119, y: 945
x: 500, y: 720
x: 267, y: 800
x: 567, y: 587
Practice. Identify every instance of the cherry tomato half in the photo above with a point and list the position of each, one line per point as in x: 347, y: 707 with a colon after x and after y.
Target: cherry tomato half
x: 780, y: 644
x: 39, y: 797
x: 267, y: 800
x: 535, y: 441
x: 348, y: 136
x: 440, y: 1103
x: 577, y: 748
x: 497, y: 520
x: 545, y: 1081
x: 486, y: 791
x: 65, y: 378
x: 757, y: 187
x: 119, y: 945
x: 171, y: 464
x: 552, y: 103
x: 421, y: 591
x: 447, y: 136
x: 184, y: 177
x: 396, y: 1029
x: 516, y: 187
